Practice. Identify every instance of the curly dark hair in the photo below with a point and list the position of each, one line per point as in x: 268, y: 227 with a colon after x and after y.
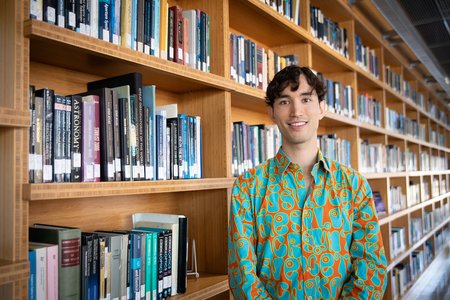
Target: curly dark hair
x: 291, y: 76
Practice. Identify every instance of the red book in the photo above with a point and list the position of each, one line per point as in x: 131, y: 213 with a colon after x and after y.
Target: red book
x: 178, y: 34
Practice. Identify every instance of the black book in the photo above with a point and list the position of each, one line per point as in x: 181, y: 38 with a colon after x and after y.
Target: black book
x: 172, y: 123
x: 47, y: 157
x: 59, y: 116
x: 32, y: 139
x: 50, y: 12
x: 116, y: 136
x: 134, y: 80
x: 86, y: 256
x: 171, y: 44
x: 70, y: 14
x: 68, y: 137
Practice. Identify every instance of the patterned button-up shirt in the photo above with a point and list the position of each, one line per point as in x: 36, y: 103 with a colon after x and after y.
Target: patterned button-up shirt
x: 286, y: 242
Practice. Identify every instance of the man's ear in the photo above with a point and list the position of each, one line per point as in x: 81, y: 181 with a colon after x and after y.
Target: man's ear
x: 322, y: 109
x: 270, y: 112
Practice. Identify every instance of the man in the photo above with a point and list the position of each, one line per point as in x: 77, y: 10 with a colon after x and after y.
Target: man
x: 303, y: 226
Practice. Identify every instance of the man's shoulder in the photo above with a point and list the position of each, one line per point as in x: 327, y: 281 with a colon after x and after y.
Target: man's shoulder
x: 260, y: 171
x: 343, y: 172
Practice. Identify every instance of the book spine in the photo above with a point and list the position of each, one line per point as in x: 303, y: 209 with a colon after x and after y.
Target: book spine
x: 125, y: 139
x: 68, y: 137
x: 160, y: 264
x: 125, y: 23
x: 76, y: 139
x: 70, y: 14
x: 50, y: 11
x: 156, y: 27
x: 88, y: 143
x: 135, y: 266
x: 163, y: 30
x: 147, y: 27
x: 104, y: 16
x: 36, y: 9
x: 170, y: 35
x: 140, y: 132
x: 32, y: 278
x: 178, y: 36
x: 32, y: 135
x: 48, y: 96
x: 60, y: 13
x: 58, y: 138
x: 147, y: 138
x: 116, y: 137
x: 97, y: 159
x: 80, y: 17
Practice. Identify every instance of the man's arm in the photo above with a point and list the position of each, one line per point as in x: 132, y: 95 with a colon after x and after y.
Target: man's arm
x: 368, y: 277
x: 244, y: 283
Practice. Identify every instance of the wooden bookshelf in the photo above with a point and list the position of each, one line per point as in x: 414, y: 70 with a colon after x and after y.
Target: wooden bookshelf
x: 34, y: 52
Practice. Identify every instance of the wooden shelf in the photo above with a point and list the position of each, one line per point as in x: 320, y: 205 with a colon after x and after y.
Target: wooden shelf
x: 13, y: 271
x: 204, y: 287
x: 14, y: 118
x: 54, y: 191
x: 405, y: 254
x: 408, y: 210
x: 57, y: 46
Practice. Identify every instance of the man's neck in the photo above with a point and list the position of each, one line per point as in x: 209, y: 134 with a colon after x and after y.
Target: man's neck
x: 304, y: 155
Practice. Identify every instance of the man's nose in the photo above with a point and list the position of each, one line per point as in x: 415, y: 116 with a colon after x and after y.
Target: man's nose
x: 297, y: 109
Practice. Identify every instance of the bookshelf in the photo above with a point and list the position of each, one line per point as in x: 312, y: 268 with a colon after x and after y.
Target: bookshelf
x: 45, y: 55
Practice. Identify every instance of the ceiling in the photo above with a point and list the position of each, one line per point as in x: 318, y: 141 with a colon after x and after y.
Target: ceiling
x: 424, y: 25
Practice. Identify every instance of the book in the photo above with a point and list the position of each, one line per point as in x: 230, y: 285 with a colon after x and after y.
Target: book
x: 68, y: 240
x: 178, y: 224
x: 47, y: 132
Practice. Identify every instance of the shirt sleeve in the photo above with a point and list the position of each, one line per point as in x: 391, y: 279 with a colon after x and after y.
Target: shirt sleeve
x: 368, y: 277
x: 243, y: 280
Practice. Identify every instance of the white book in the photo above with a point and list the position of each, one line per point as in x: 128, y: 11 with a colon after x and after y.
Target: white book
x: 191, y: 15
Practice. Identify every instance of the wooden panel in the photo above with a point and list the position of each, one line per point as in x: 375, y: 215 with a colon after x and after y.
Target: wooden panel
x: 250, y: 117
x: 207, y: 214
x: 7, y: 54
x: 303, y: 51
x: 8, y: 194
x: 14, y: 118
x: 57, y: 191
x: 214, y: 108
x: 10, y: 271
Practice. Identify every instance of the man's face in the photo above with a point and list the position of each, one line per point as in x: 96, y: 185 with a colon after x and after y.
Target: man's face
x: 297, y: 114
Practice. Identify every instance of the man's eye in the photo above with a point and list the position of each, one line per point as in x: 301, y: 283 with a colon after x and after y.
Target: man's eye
x: 283, y: 102
x: 306, y: 100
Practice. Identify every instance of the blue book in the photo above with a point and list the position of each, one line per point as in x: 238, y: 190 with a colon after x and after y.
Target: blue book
x: 135, y: 265
x: 32, y: 278
x: 104, y: 19
x: 156, y: 20
x: 183, y: 146
x: 134, y: 24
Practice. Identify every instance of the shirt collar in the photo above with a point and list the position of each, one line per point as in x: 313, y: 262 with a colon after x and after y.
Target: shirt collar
x: 282, y: 161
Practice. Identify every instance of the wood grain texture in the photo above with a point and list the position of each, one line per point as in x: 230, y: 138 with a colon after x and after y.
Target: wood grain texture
x: 13, y: 271
x: 58, y: 191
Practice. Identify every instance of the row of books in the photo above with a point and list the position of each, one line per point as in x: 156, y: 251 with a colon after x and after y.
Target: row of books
x: 249, y: 62
x: 415, y: 229
x: 397, y: 242
x: 442, y: 237
x: 369, y: 110
x: 437, y: 113
x: 146, y: 262
x: 366, y: 57
x: 112, y: 132
x: 399, y: 123
x: 148, y: 26
x: 397, y: 199
x: 335, y: 148
x: 377, y: 158
x: 339, y: 97
x: 288, y: 8
x: 409, y: 92
x: 392, y: 78
x: 413, y: 193
x: 252, y: 145
x: 434, y: 187
x: 411, y: 160
x: 427, y: 221
x: 400, y: 279
x: 437, y: 163
x: 329, y: 31
x: 437, y: 138
x: 280, y: 62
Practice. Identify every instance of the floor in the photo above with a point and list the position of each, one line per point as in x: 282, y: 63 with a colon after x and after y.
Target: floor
x: 434, y: 284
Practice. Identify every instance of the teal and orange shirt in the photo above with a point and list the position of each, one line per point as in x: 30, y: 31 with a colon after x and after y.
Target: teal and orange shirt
x: 285, y: 242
